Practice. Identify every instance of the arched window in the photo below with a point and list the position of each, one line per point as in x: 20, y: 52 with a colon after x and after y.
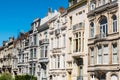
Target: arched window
x: 103, y: 27
x: 92, y: 29
x: 114, y: 23
x: 92, y: 5
x: 114, y: 77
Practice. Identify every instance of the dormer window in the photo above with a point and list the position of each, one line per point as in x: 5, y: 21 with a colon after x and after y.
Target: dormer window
x: 92, y: 6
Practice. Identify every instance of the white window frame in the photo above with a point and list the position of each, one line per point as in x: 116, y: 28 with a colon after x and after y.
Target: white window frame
x: 92, y: 30
x: 114, y: 24
x: 92, y: 56
x: 92, y: 6
x: 99, y: 55
x: 114, y: 54
x: 105, y: 54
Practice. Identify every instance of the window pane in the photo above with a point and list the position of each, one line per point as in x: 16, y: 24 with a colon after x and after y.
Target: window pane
x: 105, y: 52
x: 114, y: 53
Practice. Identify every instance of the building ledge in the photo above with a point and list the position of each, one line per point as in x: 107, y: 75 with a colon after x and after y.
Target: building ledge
x: 44, y: 60
x: 77, y: 54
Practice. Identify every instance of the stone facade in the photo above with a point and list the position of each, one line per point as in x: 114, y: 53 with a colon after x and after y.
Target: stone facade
x: 79, y: 43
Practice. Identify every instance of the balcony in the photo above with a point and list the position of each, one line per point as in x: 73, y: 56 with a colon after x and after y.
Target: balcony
x: 44, y: 41
x: 69, y: 69
x: 44, y: 60
x: 78, y: 26
x: 79, y: 77
x: 32, y: 44
x: 100, y: 37
x: 77, y: 54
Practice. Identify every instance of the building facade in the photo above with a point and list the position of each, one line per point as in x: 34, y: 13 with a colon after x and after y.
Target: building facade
x: 77, y: 40
x: 57, y: 51
x: 79, y: 43
x: 6, y: 56
x: 103, y: 42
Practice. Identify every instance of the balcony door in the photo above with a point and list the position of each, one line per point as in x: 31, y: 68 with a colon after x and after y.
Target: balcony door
x: 103, y: 27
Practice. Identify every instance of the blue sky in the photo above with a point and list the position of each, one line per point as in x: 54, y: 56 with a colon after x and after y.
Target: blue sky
x: 17, y: 15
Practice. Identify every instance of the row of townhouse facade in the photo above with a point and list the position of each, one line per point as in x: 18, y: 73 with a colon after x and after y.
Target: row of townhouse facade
x: 79, y: 43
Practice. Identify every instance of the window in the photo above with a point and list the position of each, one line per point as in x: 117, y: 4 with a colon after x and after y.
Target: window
x: 46, y: 48
x: 99, y: 55
x: 70, y: 43
x: 114, y: 54
x: 64, y: 40
x: 19, y: 58
x: 58, y: 62
x: 92, y: 29
x: 31, y: 53
x: 78, y: 42
x: 102, y: 2
x: 23, y: 58
x: 57, y: 42
x: 35, y: 39
x: 34, y: 52
x: 92, y: 6
x: 42, y: 51
x: 63, y: 61
x: 34, y: 68
x: 70, y: 21
x: 91, y: 56
x: 105, y: 54
x: 81, y: 73
x: 114, y: 23
x: 51, y: 43
x: 103, y: 27
x: 114, y: 77
x: 30, y: 69
x: 44, y: 74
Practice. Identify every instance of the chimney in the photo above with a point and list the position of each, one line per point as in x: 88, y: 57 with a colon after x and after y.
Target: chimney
x: 61, y: 10
x: 11, y: 39
x: 49, y: 11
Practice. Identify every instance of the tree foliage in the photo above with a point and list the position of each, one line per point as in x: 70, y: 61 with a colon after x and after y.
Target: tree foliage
x: 25, y: 77
x: 6, y: 76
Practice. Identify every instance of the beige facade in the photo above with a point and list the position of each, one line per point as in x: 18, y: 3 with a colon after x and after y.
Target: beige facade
x: 80, y: 43
x: 77, y: 40
x: 6, y: 56
x: 103, y: 42
x: 58, y: 46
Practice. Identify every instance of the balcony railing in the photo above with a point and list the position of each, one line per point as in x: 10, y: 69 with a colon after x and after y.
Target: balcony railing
x: 44, y: 41
x: 44, y: 60
x: 78, y: 26
x: 101, y: 35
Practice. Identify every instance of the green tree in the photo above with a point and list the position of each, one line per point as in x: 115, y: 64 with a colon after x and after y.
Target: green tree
x: 6, y: 76
x: 25, y: 77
